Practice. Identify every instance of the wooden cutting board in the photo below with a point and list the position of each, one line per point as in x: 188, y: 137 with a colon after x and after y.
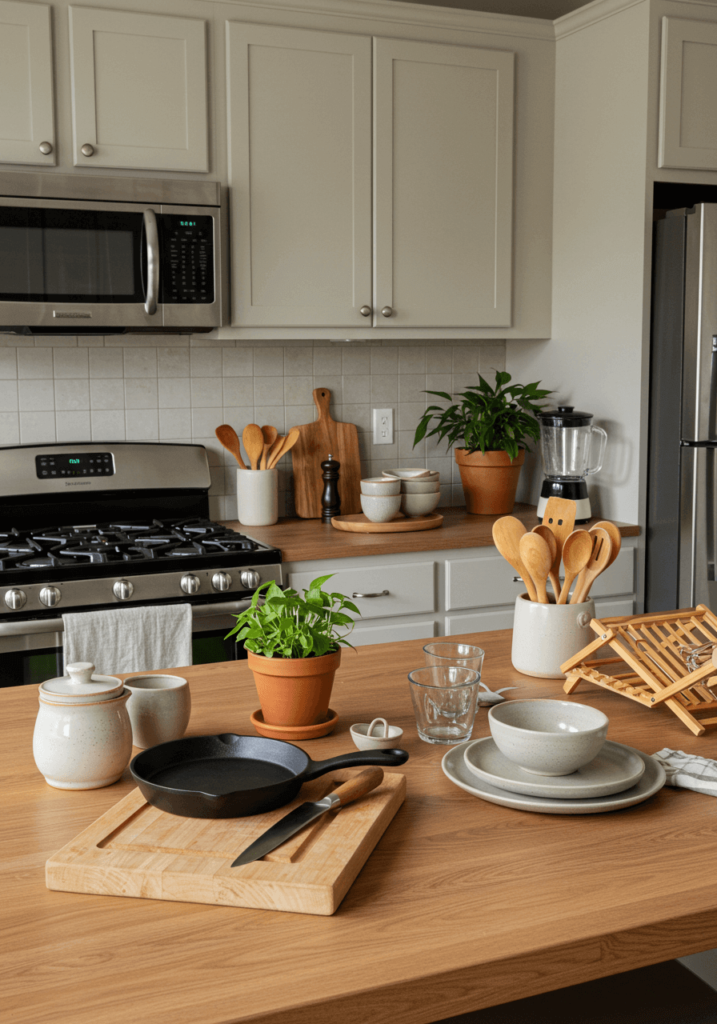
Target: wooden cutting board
x: 135, y: 849
x: 316, y: 441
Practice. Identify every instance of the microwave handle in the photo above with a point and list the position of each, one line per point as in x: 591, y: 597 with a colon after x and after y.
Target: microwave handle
x: 152, y: 236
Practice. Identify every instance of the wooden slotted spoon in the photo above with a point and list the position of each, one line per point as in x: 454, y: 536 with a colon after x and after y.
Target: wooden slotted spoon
x: 560, y: 517
x: 549, y: 537
x: 270, y: 435
x: 576, y: 554
x: 253, y: 443
x: 536, y: 557
x: 599, y: 558
x: 507, y: 532
x: 228, y: 437
x: 615, y: 536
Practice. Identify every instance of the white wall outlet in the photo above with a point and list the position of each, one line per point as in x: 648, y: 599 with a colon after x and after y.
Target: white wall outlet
x: 383, y: 426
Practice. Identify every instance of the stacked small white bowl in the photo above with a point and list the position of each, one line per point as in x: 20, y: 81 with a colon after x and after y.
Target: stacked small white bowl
x: 414, y: 492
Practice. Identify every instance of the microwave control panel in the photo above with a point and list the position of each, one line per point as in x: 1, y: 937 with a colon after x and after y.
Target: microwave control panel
x: 187, y: 259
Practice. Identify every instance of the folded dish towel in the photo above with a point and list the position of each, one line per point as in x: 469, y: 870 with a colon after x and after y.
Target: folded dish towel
x: 130, y: 639
x: 688, y: 771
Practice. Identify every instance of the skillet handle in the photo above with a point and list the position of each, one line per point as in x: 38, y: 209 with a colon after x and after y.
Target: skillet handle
x: 385, y: 758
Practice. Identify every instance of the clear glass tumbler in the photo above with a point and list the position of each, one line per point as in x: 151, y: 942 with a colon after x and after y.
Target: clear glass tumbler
x: 461, y: 655
x: 444, y: 698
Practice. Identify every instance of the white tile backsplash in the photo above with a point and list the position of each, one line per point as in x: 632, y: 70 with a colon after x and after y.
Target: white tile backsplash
x: 173, y: 388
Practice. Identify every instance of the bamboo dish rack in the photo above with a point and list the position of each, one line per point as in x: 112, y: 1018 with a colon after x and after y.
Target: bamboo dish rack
x: 671, y: 658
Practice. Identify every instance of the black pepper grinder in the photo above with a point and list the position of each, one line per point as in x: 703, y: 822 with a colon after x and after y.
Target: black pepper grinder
x: 330, y: 499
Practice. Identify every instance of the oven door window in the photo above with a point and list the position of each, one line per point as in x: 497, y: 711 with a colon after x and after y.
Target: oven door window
x: 70, y: 255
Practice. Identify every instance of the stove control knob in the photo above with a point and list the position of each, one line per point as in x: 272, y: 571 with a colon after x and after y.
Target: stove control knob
x: 50, y: 596
x: 250, y: 579
x: 123, y: 590
x: 221, y: 581
x: 15, y: 599
x: 190, y: 584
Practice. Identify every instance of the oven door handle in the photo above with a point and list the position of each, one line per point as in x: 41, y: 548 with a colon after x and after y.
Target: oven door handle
x: 152, y: 236
x: 23, y: 627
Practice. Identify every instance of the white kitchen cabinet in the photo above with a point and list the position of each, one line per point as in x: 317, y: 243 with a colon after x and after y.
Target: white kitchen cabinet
x: 139, y: 90
x: 381, y: 589
x: 688, y: 86
x: 26, y: 85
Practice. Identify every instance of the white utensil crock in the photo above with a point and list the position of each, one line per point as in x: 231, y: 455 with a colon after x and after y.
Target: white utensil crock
x: 546, y: 635
x: 257, y: 496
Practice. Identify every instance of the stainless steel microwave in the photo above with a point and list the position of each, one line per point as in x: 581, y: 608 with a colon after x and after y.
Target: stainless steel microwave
x: 83, y: 254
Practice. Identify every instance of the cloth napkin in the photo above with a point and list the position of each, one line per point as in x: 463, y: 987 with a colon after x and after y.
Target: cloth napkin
x: 688, y: 771
x: 130, y: 639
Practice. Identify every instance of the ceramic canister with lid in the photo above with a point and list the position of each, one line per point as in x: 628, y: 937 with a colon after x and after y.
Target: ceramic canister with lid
x: 83, y: 734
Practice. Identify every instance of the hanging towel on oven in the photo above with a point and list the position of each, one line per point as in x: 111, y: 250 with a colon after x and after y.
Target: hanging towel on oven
x: 130, y: 639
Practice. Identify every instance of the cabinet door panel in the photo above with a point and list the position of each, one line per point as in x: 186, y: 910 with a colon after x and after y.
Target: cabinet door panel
x: 139, y: 90
x: 392, y: 633
x: 443, y: 151
x: 688, y: 85
x: 479, y: 622
x: 26, y: 89
x: 480, y: 582
x: 410, y: 589
x: 300, y: 170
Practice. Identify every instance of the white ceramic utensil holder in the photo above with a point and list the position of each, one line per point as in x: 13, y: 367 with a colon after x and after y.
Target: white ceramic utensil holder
x: 257, y: 496
x: 546, y: 635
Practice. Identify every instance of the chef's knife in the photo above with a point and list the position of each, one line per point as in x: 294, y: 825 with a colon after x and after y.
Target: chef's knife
x: 301, y: 816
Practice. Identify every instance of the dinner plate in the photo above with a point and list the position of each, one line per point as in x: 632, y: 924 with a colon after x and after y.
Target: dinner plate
x: 615, y: 769
x: 455, y: 768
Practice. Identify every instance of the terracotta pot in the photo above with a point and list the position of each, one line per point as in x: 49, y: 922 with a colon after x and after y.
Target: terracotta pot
x: 294, y: 691
x: 489, y: 481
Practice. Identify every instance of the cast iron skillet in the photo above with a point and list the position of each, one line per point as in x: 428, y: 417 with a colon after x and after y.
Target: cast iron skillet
x: 230, y: 776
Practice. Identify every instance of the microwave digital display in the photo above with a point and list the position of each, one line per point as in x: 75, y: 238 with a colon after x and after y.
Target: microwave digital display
x: 187, y: 248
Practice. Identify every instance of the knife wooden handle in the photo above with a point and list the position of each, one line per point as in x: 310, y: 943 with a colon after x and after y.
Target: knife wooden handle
x: 360, y: 785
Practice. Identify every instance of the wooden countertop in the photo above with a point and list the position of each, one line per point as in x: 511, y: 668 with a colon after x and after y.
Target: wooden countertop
x: 302, y: 540
x: 462, y: 904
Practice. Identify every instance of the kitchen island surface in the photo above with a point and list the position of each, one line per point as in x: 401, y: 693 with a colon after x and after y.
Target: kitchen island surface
x: 462, y: 904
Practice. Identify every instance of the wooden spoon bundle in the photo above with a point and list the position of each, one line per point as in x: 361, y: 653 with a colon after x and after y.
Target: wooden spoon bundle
x: 264, y: 446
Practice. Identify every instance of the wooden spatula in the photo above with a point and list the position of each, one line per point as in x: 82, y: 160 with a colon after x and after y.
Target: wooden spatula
x: 549, y: 537
x: 253, y: 443
x: 560, y: 517
x: 507, y: 532
x: 228, y: 437
x: 614, y: 535
x: 535, y: 555
x: 576, y: 554
x: 599, y: 558
x: 270, y: 435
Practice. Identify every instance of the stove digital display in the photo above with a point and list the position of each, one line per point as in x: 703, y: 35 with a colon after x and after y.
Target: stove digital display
x: 96, y: 464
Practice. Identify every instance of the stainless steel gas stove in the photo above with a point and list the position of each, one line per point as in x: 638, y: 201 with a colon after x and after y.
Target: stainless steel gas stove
x: 101, y: 525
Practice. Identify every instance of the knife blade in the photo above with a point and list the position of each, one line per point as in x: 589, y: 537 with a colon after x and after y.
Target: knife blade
x: 303, y: 815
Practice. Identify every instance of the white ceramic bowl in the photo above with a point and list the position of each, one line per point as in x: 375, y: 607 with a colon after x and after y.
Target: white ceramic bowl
x: 548, y: 737
x: 412, y: 474
x: 420, y: 486
x: 380, y: 508
x: 378, y: 735
x: 419, y: 504
x: 380, y: 485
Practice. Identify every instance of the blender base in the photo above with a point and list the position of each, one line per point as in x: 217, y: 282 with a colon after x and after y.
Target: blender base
x: 573, y: 490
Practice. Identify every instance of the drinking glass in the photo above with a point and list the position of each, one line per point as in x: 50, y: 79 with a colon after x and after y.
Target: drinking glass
x: 461, y: 655
x: 444, y: 698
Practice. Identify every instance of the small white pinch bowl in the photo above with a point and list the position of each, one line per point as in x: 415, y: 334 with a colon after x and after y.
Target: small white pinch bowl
x: 548, y: 737
x: 380, y: 485
x: 420, y: 486
x: 379, y: 735
x: 380, y: 508
x: 419, y: 504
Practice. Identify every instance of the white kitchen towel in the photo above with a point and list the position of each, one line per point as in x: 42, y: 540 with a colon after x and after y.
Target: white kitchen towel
x: 130, y: 639
x: 688, y: 771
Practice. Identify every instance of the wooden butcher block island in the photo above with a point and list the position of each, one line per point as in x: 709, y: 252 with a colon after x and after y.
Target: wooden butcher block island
x: 461, y: 904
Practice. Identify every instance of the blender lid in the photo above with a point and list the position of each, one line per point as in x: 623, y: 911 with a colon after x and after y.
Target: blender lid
x: 564, y: 416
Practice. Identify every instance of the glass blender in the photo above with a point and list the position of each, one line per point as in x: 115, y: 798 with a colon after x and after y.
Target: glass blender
x: 566, y: 444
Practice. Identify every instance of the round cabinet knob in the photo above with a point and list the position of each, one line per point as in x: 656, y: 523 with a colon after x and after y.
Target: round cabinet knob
x: 250, y: 579
x: 386, y: 311
x: 50, y: 596
x: 221, y: 581
x: 15, y: 599
x: 123, y: 590
x: 190, y: 584
x: 45, y: 148
x: 87, y: 149
x: 365, y: 311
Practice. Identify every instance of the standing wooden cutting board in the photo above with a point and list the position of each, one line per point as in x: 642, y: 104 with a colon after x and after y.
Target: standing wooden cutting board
x: 316, y: 441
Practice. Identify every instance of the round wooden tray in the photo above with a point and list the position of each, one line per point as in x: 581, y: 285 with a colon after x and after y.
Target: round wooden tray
x: 401, y: 524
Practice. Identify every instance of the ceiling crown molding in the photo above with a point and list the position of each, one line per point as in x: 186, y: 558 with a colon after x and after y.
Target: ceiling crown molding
x: 591, y: 14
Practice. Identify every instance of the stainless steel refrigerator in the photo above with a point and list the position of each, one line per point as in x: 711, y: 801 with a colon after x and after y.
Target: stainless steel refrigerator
x: 681, y: 534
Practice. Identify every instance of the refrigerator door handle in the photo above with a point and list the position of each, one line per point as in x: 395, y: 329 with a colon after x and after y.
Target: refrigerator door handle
x: 698, y: 444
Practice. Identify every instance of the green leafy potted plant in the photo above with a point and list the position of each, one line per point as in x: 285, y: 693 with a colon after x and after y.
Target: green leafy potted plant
x: 493, y: 423
x: 293, y: 646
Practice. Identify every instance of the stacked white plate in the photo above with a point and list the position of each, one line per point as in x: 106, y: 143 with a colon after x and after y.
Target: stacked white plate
x: 618, y: 777
x: 420, y: 490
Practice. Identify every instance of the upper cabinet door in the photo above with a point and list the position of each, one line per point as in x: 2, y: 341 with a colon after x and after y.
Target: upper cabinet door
x: 688, y: 87
x: 443, y: 154
x: 139, y: 90
x: 299, y: 115
x: 26, y: 93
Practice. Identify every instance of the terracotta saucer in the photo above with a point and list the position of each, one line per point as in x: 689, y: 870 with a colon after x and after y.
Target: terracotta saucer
x: 294, y: 732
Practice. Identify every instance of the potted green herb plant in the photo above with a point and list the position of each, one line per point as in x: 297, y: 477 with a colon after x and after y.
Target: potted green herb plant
x: 293, y: 646
x: 494, y: 424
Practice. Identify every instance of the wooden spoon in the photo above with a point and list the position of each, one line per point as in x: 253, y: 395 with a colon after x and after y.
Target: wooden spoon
x: 576, y: 554
x: 535, y: 553
x: 228, y: 437
x: 549, y: 537
x: 253, y: 443
x: 270, y: 435
x: 507, y: 532
x: 599, y: 558
x: 287, y: 444
x: 560, y: 517
x: 614, y: 534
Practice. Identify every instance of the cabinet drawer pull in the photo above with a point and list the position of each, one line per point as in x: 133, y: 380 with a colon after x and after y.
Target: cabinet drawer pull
x: 384, y: 593
x: 519, y: 579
